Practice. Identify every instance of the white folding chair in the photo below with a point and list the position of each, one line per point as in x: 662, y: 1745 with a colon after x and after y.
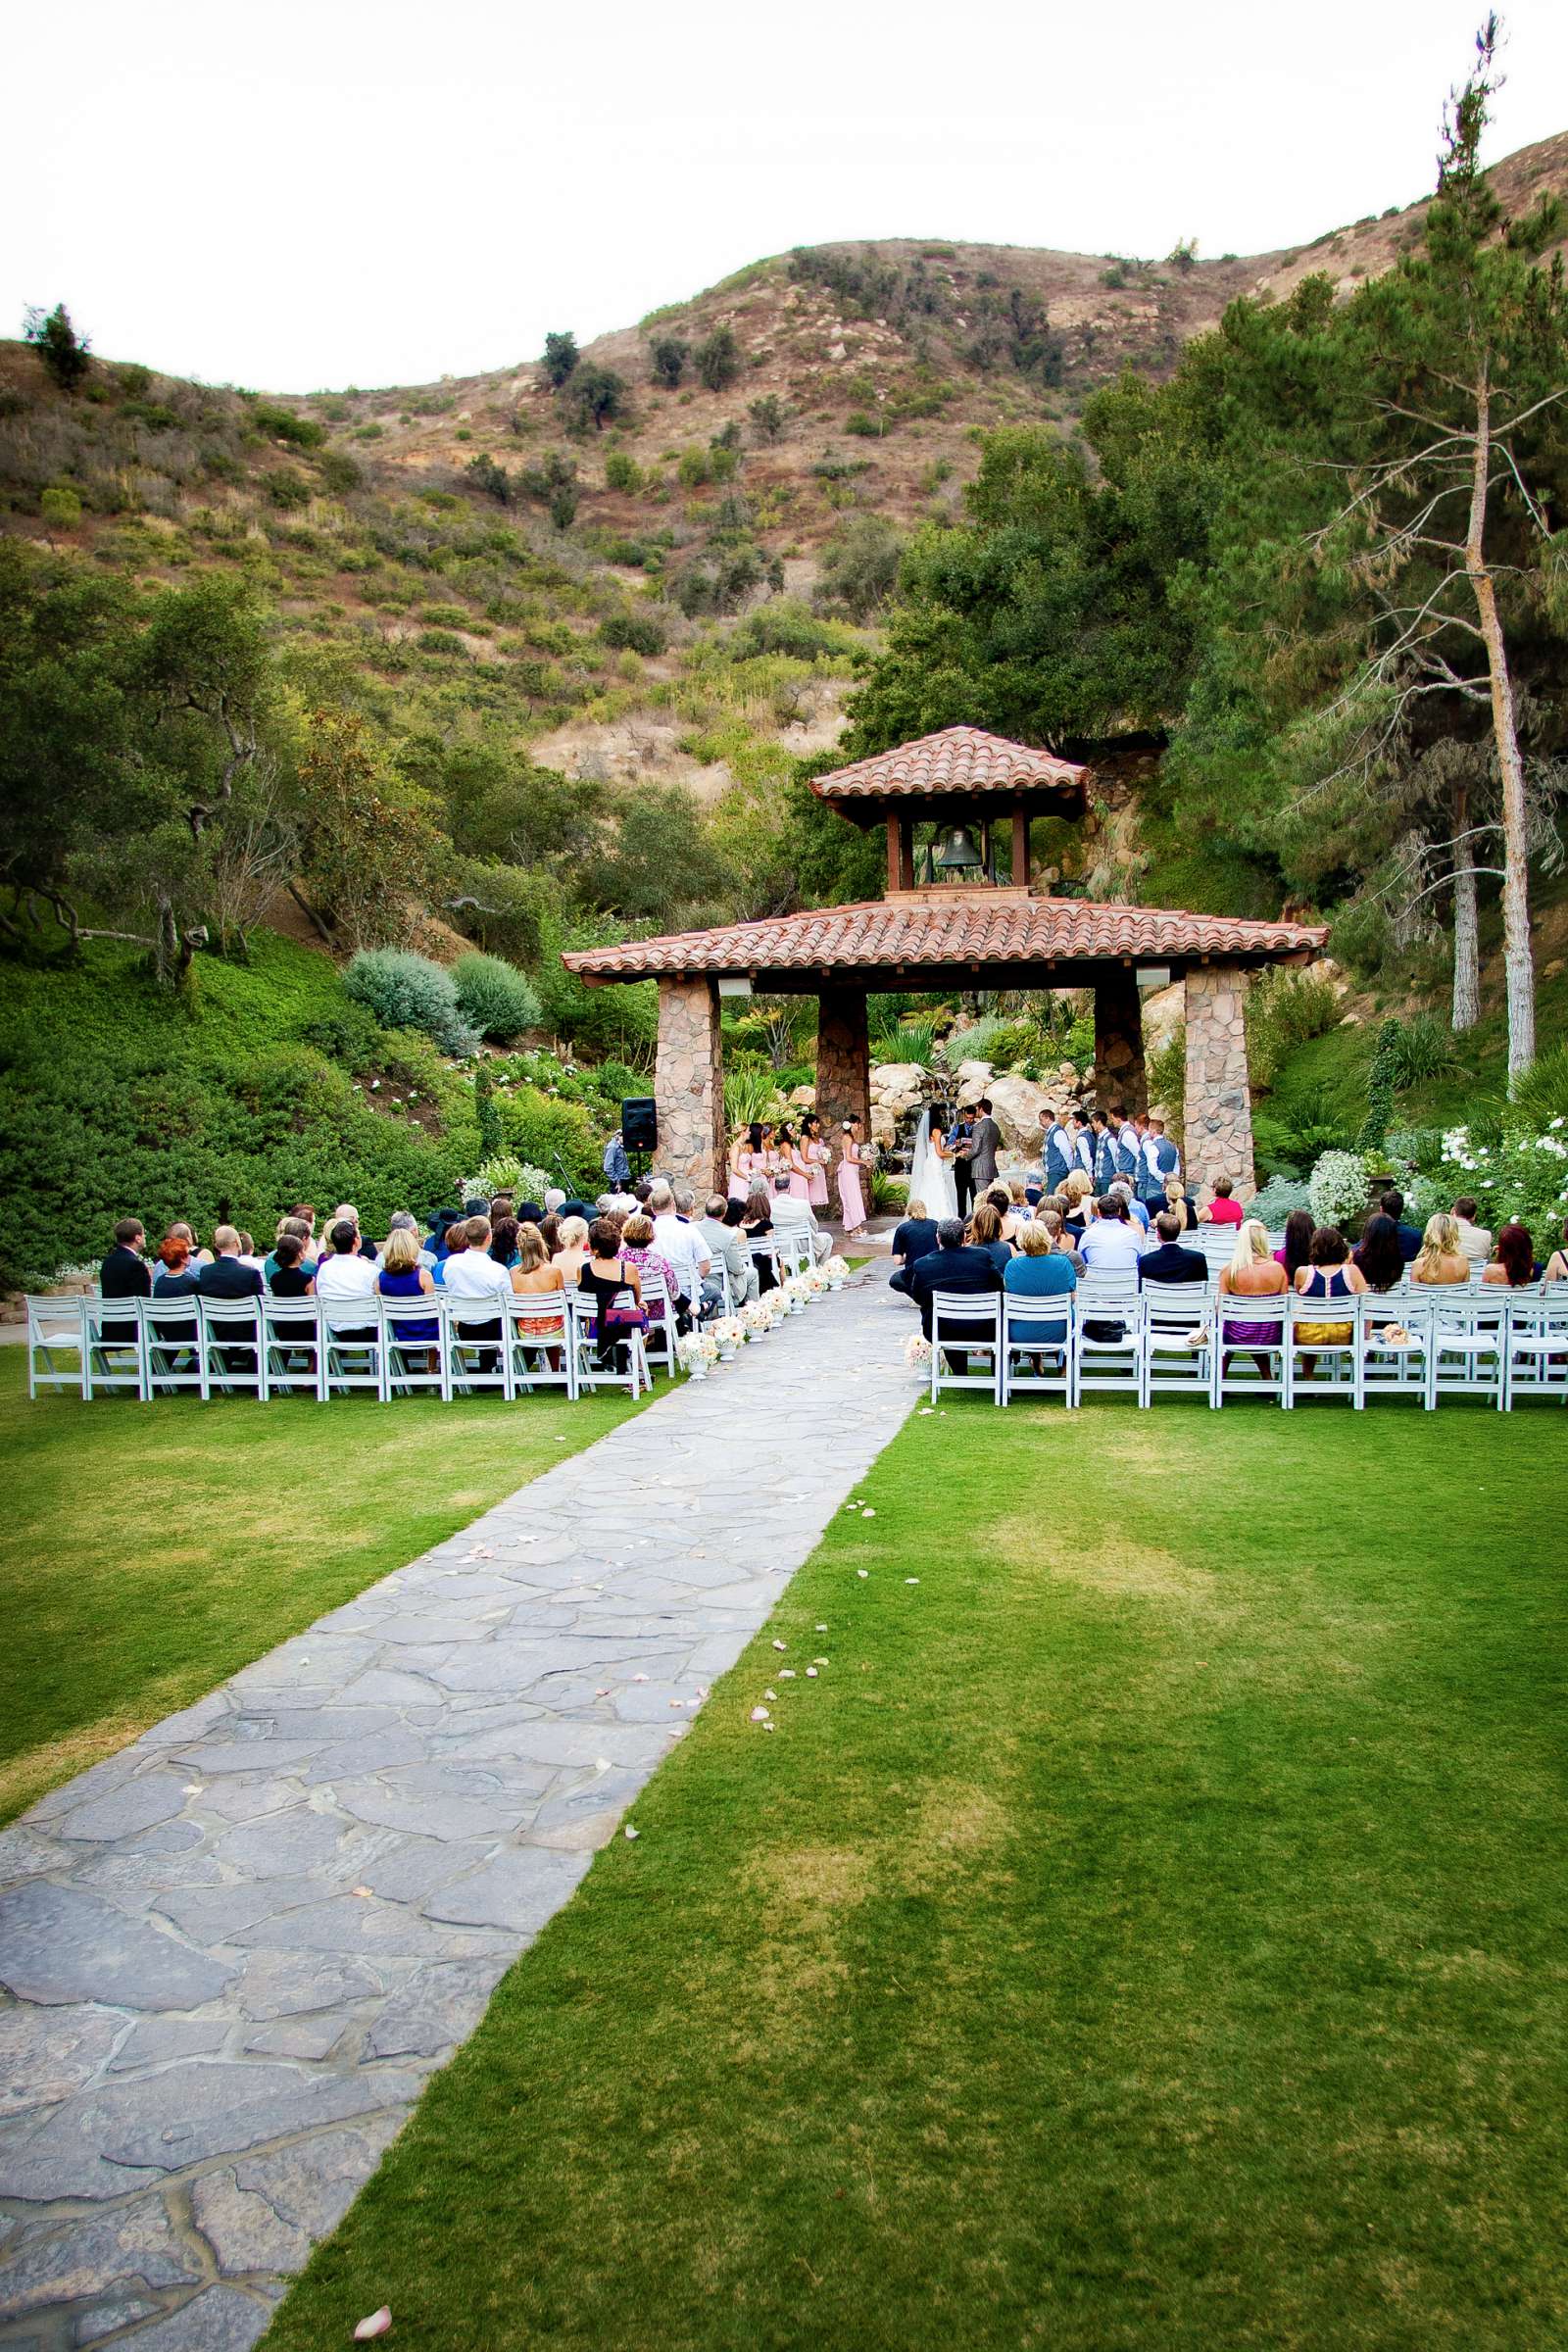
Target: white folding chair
x: 414, y: 1354
x: 171, y: 1334
x: 1469, y: 1345
x: 1234, y: 1373
x: 55, y: 1331
x: 588, y: 1371
x: 545, y: 1313
x: 1537, y: 1362
x: 231, y: 1346
x: 114, y: 1358
x: 660, y: 1343
x: 1336, y: 1363
x: 967, y: 1323
x: 765, y: 1252
x: 796, y: 1255
x: 351, y: 1344
x: 1107, y: 1336
x: 1178, y: 1337
x: 1394, y: 1367
x: 477, y: 1356
x: 1036, y: 1346
x: 293, y: 1350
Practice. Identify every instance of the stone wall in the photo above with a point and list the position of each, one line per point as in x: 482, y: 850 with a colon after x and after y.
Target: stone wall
x: 843, y: 1059
x: 689, y: 1085
x: 1217, y: 1122
x: 1119, y: 1074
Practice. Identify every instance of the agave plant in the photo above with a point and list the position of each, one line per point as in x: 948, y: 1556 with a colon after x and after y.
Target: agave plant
x: 747, y: 1095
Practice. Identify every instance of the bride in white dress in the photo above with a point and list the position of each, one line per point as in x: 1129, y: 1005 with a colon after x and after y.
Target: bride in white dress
x: 931, y: 1175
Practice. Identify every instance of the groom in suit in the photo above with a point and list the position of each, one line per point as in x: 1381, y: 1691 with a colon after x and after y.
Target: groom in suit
x: 958, y: 1137
x: 980, y: 1151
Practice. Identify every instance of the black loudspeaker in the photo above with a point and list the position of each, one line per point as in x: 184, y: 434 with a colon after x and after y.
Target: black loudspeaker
x: 639, y: 1124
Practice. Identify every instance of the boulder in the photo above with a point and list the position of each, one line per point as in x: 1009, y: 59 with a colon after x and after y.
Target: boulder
x: 803, y: 1098
x: 1015, y: 1106
x: 1164, y: 1011
x: 969, y: 1081
x: 898, y: 1085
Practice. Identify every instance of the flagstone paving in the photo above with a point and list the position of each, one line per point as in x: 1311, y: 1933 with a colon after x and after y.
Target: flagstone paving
x: 236, y: 1950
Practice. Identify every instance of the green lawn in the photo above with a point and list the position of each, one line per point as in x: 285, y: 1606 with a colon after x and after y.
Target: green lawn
x: 146, y: 1551
x: 1146, y: 1934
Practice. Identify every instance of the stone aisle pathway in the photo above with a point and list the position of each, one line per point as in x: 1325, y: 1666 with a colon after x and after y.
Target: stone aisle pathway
x: 236, y: 1950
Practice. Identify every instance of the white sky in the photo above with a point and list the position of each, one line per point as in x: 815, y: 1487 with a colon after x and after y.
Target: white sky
x: 375, y: 193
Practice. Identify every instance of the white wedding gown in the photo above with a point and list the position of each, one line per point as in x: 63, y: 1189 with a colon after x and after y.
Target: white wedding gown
x: 931, y: 1179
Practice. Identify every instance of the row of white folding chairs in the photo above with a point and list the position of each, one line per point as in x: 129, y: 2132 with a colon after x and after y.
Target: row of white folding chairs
x: 1180, y: 1340
x: 324, y: 1348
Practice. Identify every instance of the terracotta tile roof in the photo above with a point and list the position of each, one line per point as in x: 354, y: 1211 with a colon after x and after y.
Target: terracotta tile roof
x: 955, y: 762
x: 973, y: 929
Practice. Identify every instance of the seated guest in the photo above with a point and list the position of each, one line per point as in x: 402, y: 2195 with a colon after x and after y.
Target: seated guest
x: 1331, y: 1275
x: 985, y: 1233
x: 471, y: 1279
x: 757, y: 1223
x: 225, y: 1277
x: 734, y: 1221
x: 725, y: 1248
x: 1296, y: 1252
x: 502, y: 1206
x: 637, y: 1247
x: 441, y: 1224
x: 1134, y: 1210
x: 1078, y: 1193
x: 402, y: 1276
x: 1038, y: 1272
x: 555, y: 1201
x: 953, y: 1265
x: 347, y: 1215
x: 177, y: 1277
x: 1223, y: 1209
x: 248, y: 1253
x: 1380, y: 1260
x: 1112, y: 1242
x: 1019, y: 1209
x: 577, y: 1208
x: 614, y: 1286
x: 293, y: 1275
x: 794, y: 1217
x: 1252, y: 1273
x: 534, y: 1277
x: 187, y: 1235
x: 1168, y: 1261
x: 679, y: 1245
x: 125, y: 1274
x: 504, y: 1242
x: 1515, y: 1263
x: 293, y: 1228
x: 913, y: 1239
x: 572, y: 1252
x: 1474, y: 1239
x: 1180, y: 1203
x: 342, y: 1273
x: 1439, y: 1262
x: 401, y: 1221
x: 1557, y: 1262
x: 1410, y: 1240
x: 1057, y: 1236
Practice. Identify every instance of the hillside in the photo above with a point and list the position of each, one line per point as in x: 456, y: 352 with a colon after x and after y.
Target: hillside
x: 609, y: 594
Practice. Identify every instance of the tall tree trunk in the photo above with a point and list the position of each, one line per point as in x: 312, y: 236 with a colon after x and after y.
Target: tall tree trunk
x: 1519, y: 969
x: 1466, y: 945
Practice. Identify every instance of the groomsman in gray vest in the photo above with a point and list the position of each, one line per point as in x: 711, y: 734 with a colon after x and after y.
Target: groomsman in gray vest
x: 1055, y: 1151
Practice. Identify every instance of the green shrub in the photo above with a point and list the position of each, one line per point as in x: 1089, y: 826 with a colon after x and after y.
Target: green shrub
x: 633, y: 632
x: 554, y: 1134
x: 1285, y: 1009
x: 60, y: 507
x: 862, y: 424
x: 494, y: 996
x: 281, y: 424
x: 622, y: 471
x: 339, y: 473
x: 1541, y: 1094
x: 438, y: 641
x: 1423, y: 1050
x: 718, y: 359
x: 1166, y: 1073
x: 288, y: 490
x: 695, y: 469
x: 1380, y: 1084
x: 405, y: 991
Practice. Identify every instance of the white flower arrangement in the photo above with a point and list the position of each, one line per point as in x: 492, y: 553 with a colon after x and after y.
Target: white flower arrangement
x: 695, y: 1351
x: 756, y: 1317
x: 917, y: 1350
x: 1337, y: 1187
x: 728, y: 1333
x: 837, y: 1271
x: 797, y: 1294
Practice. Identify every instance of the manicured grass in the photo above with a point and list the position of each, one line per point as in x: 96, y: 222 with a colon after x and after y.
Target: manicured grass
x: 146, y: 1551
x: 1146, y: 1934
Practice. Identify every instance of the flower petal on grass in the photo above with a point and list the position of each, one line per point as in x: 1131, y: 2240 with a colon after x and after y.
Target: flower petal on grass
x: 379, y: 2323
x: 759, y: 1714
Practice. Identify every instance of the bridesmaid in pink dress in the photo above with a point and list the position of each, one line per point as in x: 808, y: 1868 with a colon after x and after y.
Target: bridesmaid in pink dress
x: 747, y: 1162
x: 792, y: 1163
x: 852, y: 1201
x: 817, y: 1156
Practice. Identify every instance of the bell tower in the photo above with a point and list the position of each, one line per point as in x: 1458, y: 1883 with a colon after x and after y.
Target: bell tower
x: 957, y: 808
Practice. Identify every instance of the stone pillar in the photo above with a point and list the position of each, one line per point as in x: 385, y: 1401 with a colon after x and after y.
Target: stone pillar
x: 689, y: 1085
x: 843, y: 1059
x: 1217, y: 1122
x: 1120, y: 1075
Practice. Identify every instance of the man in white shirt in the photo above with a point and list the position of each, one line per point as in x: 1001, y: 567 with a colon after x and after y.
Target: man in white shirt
x: 473, y: 1274
x: 343, y: 1273
x: 1474, y: 1239
x: 680, y: 1245
x: 1109, y: 1245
